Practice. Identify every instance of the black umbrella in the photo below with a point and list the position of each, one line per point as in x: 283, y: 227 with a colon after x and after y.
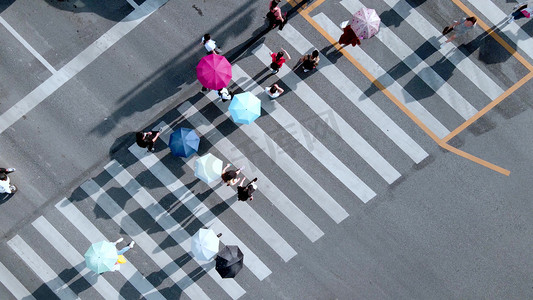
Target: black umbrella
x: 229, y: 261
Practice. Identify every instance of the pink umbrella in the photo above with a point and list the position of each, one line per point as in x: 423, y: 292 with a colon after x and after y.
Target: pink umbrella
x: 365, y: 23
x: 214, y: 71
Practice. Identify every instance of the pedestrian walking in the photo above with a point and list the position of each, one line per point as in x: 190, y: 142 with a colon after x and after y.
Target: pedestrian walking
x: 7, y: 170
x: 522, y: 10
x: 310, y: 61
x: 278, y: 60
x: 274, y: 15
x: 459, y: 28
x: 210, y: 45
x: 245, y: 193
x: 348, y: 36
x: 121, y: 259
x: 230, y: 177
x: 147, y: 139
x: 274, y: 91
x: 225, y: 95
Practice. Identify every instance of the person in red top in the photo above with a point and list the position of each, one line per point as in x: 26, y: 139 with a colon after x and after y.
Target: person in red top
x: 278, y: 60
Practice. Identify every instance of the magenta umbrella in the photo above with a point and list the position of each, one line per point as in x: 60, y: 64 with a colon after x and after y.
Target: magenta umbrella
x: 214, y: 71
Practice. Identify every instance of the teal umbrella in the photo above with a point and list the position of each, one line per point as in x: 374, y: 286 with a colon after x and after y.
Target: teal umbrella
x: 101, y: 257
x: 245, y: 108
x: 208, y: 168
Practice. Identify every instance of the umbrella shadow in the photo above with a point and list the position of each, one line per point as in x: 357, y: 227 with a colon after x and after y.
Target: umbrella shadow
x: 391, y: 18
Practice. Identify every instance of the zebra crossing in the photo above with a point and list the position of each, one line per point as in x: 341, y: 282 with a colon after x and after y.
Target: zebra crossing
x: 273, y: 224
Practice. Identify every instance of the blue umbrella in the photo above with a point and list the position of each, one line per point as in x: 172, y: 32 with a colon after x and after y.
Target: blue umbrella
x: 245, y: 108
x: 184, y: 142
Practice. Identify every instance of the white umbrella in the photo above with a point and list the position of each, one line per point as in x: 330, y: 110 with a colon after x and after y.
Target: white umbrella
x: 204, y: 244
x: 208, y: 168
x: 365, y: 23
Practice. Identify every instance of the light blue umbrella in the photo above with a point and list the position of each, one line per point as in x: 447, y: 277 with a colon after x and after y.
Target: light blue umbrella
x: 184, y: 142
x: 101, y: 257
x: 245, y: 108
x: 208, y: 168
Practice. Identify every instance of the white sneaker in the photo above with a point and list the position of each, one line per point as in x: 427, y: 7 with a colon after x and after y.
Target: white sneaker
x: 442, y: 45
x: 511, y: 20
x: 306, y: 70
x: 118, y: 241
x: 131, y: 244
x: 11, y: 169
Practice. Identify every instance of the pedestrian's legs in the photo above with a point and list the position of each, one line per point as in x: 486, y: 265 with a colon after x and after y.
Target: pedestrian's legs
x: 121, y: 251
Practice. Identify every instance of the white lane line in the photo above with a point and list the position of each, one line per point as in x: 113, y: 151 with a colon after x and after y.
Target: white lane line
x: 200, y: 211
x: 242, y: 209
x: 13, y: 285
x: 74, y: 258
x: 513, y: 31
x: 93, y: 235
x: 280, y: 157
x: 462, y: 63
x: 145, y: 242
x: 355, y: 95
x: 41, y: 269
x: 28, y: 46
x: 337, y: 123
x: 171, y: 226
x: 316, y: 148
x: 375, y: 69
x: 419, y: 67
x: 82, y: 60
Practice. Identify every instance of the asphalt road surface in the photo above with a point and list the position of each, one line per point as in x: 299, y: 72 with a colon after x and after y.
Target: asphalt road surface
x: 394, y: 170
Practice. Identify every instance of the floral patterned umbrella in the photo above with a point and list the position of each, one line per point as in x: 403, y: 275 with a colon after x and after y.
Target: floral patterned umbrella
x: 365, y: 23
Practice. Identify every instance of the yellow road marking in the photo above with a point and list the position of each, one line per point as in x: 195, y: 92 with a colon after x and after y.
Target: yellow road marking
x: 487, y: 108
x: 305, y: 14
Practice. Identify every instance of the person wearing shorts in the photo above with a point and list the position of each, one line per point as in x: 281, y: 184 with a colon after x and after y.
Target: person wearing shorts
x: 460, y: 28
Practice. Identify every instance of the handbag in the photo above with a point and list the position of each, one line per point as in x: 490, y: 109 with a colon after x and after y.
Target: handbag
x: 447, y: 30
x: 526, y: 13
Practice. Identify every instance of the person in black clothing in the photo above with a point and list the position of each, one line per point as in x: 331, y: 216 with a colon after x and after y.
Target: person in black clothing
x: 230, y: 177
x: 147, y: 139
x: 243, y: 193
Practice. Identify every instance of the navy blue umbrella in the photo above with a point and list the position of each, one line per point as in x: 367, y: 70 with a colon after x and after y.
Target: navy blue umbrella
x: 184, y: 142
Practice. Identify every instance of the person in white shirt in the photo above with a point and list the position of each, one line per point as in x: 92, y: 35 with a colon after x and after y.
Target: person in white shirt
x: 209, y: 44
x: 274, y: 91
x: 225, y: 95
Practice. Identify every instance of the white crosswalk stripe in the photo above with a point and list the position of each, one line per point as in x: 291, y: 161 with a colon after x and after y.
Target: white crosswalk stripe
x: 295, y: 172
x: 41, y: 268
x: 336, y: 167
x: 14, y: 286
x: 85, y: 227
x: 247, y: 214
x: 199, y: 210
x: 356, y: 96
x: 513, y: 31
x: 335, y: 122
x: 143, y: 240
x: 421, y: 68
x: 378, y: 72
x: 168, y: 223
x: 74, y: 258
x: 461, y: 62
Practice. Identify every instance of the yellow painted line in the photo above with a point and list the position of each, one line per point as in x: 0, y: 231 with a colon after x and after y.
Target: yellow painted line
x: 495, y: 36
x: 383, y: 89
x: 487, y: 108
x: 475, y: 159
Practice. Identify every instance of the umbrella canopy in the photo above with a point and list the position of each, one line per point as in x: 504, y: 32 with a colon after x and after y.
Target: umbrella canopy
x: 245, y: 108
x: 213, y: 71
x: 204, y: 244
x: 365, y: 23
x: 208, y: 168
x: 101, y: 257
x: 184, y: 142
x: 229, y: 261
